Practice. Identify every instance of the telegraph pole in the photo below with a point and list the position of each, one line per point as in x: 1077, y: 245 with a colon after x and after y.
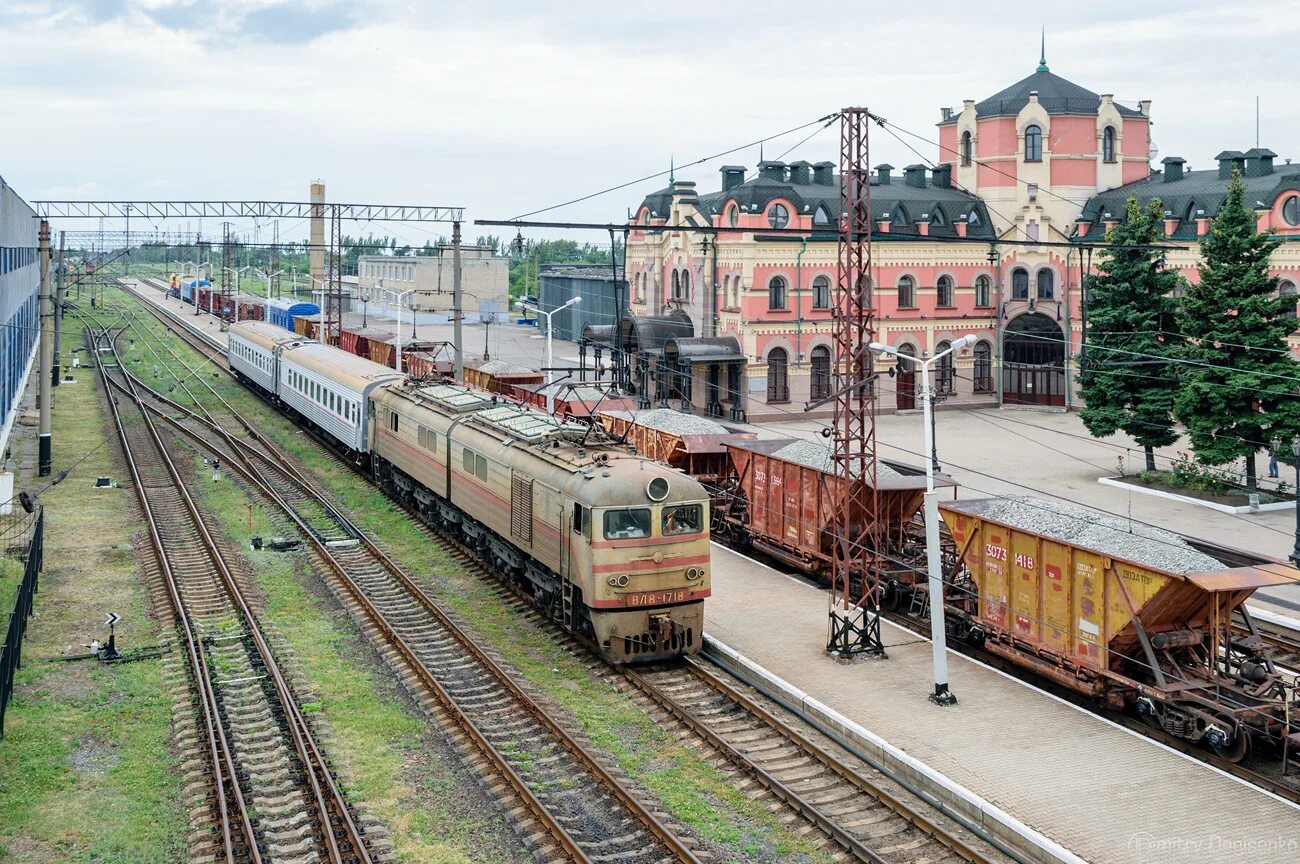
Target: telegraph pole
x: 58, y: 312
x: 47, y: 353
x: 457, y: 342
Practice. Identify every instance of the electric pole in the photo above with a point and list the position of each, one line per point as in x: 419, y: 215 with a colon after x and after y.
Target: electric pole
x: 58, y: 311
x: 458, y: 372
x: 45, y: 457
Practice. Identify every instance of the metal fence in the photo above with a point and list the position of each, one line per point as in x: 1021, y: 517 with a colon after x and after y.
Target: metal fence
x: 11, y: 651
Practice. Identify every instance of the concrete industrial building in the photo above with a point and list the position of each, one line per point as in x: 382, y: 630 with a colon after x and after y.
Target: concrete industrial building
x: 485, y: 280
x: 20, y: 281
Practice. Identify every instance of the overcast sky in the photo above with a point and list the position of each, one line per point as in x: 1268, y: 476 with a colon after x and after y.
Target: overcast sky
x: 506, y: 107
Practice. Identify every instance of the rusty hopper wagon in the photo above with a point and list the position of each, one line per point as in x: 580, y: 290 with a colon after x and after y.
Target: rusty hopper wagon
x: 783, y: 499
x: 1138, y: 617
x: 498, y: 376
x: 693, y: 445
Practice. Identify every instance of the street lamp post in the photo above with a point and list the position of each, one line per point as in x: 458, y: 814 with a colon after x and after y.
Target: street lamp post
x: 550, y: 373
x: 1295, y: 453
x: 266, y: 307
x: 400, y: 295
x: 365, y: 307
x: 938, y: 634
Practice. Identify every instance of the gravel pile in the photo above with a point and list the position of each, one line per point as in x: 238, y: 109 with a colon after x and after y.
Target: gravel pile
x: 501, y: 367
x: 822, y: 458
x: 668, y: 420
x: 1116, y: 537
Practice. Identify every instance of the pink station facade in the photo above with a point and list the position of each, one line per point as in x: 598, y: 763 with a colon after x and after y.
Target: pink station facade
x: 990, y: 240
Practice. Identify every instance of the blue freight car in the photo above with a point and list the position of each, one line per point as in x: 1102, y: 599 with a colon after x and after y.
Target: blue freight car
x: 284, y: 309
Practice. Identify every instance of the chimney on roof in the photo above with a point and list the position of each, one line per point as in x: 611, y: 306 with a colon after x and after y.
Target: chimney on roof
x: 1173, y: 168
x: 946, y: 114
x: 882, y: 173
x: 914, y: 175
x: 800, y: 172
x: 824, y: 173
x: 732, y: 176
x: 1229, y: 161
x: 942, y: 175
x: 1259, y: 162
x: 772, y: 170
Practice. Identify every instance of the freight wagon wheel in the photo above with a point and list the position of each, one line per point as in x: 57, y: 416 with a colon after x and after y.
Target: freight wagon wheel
x: 1237, y: 750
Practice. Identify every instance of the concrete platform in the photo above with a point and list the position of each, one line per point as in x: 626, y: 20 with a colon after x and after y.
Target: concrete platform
x: 1100, y: 791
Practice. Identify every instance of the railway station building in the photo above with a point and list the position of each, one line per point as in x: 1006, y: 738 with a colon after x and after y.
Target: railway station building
x: 986, y: 239
x: 485, y: 281
x: 20, y: 281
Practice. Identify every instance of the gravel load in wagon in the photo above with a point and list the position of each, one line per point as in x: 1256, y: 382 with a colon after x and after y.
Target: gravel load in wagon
x: 821, y: 457
x: 1112, y: 536
x: 501, y: 367
x: 678, y: 423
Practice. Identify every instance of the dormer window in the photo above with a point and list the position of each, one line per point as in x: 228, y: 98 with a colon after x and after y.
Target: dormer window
x: 1108, y: 144
x: 965, y: 148
x: 1033, y: 144
x: 936, y: 218
x: 900, y: 218
x: 645, y: 218
x: 733, y: 215
x: 1191, y: 213
x: 1291, y: 211
x: 973, y: 218
x: 821, y: 217
x: 778, y: 216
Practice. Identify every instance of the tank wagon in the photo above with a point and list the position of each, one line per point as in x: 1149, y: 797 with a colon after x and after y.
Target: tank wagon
x: 612, y: 545
x: 1134, y: 616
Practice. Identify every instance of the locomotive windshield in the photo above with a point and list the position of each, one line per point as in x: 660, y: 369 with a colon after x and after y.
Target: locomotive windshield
x: 627, y: 524
x: 683, y: 519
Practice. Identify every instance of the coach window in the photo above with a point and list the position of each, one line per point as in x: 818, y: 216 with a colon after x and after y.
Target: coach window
x: 581, y: 520
x: 682, y: 519
x: 392, y: 420
x: 480, y: 467
x: 467, y: 461
x: 627, y: 524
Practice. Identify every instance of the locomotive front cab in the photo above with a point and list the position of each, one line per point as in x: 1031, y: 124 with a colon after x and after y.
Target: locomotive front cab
x: 649, y: 567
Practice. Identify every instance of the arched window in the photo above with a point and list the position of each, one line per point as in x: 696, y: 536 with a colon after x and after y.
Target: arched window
x: 936, y: 218
x: 943, y: 377
x: 1108, y: 144
x: 965, y: 148
x: 1020, y: 284
x: 944, y: 290
x: 677, y: 285
x: 778, y: 216
x: 1190, y: 218
x: 735, y: 291
x: 776, y: 292
x: 906, y: 293
x: 778, y: 376
x: 733, y: 215
x: 1291, y: 210
x: 645, y: 218
x: 821, y: 373
x: 686, y: 285
x: 983, y: 290
x: 821, y: 291
x: 821, y: 217
x: 726, y: 290
x: 1287, y: 289
x: 1033, y: 144
x: 983, y: 367
x: 973, y: 218
x: 900, y: 218
x: 1046, y: 284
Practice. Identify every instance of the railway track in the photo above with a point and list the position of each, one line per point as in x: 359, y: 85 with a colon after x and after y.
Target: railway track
x: 857, y: 815
x: 567, y: 802
x: 274, y: 795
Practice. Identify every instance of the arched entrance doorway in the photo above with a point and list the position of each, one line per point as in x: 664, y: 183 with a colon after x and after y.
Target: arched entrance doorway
x: 1033, y: 362
x: 905, y: 380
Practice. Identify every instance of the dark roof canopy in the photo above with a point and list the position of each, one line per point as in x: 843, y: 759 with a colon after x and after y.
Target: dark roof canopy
x: 1055, y: 94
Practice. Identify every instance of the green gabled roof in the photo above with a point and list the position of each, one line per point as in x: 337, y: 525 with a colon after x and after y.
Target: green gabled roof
x: 1205, y: 189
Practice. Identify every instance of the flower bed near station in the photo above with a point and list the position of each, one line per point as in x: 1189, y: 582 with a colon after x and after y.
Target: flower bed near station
x: 1188, y: 477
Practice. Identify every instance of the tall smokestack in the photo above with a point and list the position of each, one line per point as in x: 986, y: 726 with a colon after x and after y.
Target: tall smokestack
x: 317, y: 236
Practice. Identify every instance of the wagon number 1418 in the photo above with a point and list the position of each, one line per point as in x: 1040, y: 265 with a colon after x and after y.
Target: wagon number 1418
x: 997, y: 553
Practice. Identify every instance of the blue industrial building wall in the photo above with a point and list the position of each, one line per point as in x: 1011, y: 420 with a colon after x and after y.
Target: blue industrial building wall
x: 20, y: 282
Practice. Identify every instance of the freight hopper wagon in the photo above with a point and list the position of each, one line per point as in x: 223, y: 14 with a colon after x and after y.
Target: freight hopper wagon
x: 783, y: 498
x: 1134, y: 616
x: 693, y: 445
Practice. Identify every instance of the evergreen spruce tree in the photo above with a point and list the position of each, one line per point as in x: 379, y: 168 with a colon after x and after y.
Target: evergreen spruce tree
x: 1239, y: 391
x: 1130, y: 306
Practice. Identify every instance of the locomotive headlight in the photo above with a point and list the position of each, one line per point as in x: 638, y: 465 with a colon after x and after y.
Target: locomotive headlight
x: 617, y: 581
x: 694, y: 574
x: 657, y: 489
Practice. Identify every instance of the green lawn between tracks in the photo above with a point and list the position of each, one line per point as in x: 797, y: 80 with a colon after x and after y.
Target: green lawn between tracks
x: 86, y: 774
x: 691, y: 789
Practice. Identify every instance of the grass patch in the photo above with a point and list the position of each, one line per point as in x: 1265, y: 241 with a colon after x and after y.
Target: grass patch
x: 85, y: 770
x: 692, y: 790
x: 382, y: 744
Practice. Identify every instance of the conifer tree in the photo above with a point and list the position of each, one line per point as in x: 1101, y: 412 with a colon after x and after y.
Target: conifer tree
x: 1125, y: 387
x: 1238, y: 386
